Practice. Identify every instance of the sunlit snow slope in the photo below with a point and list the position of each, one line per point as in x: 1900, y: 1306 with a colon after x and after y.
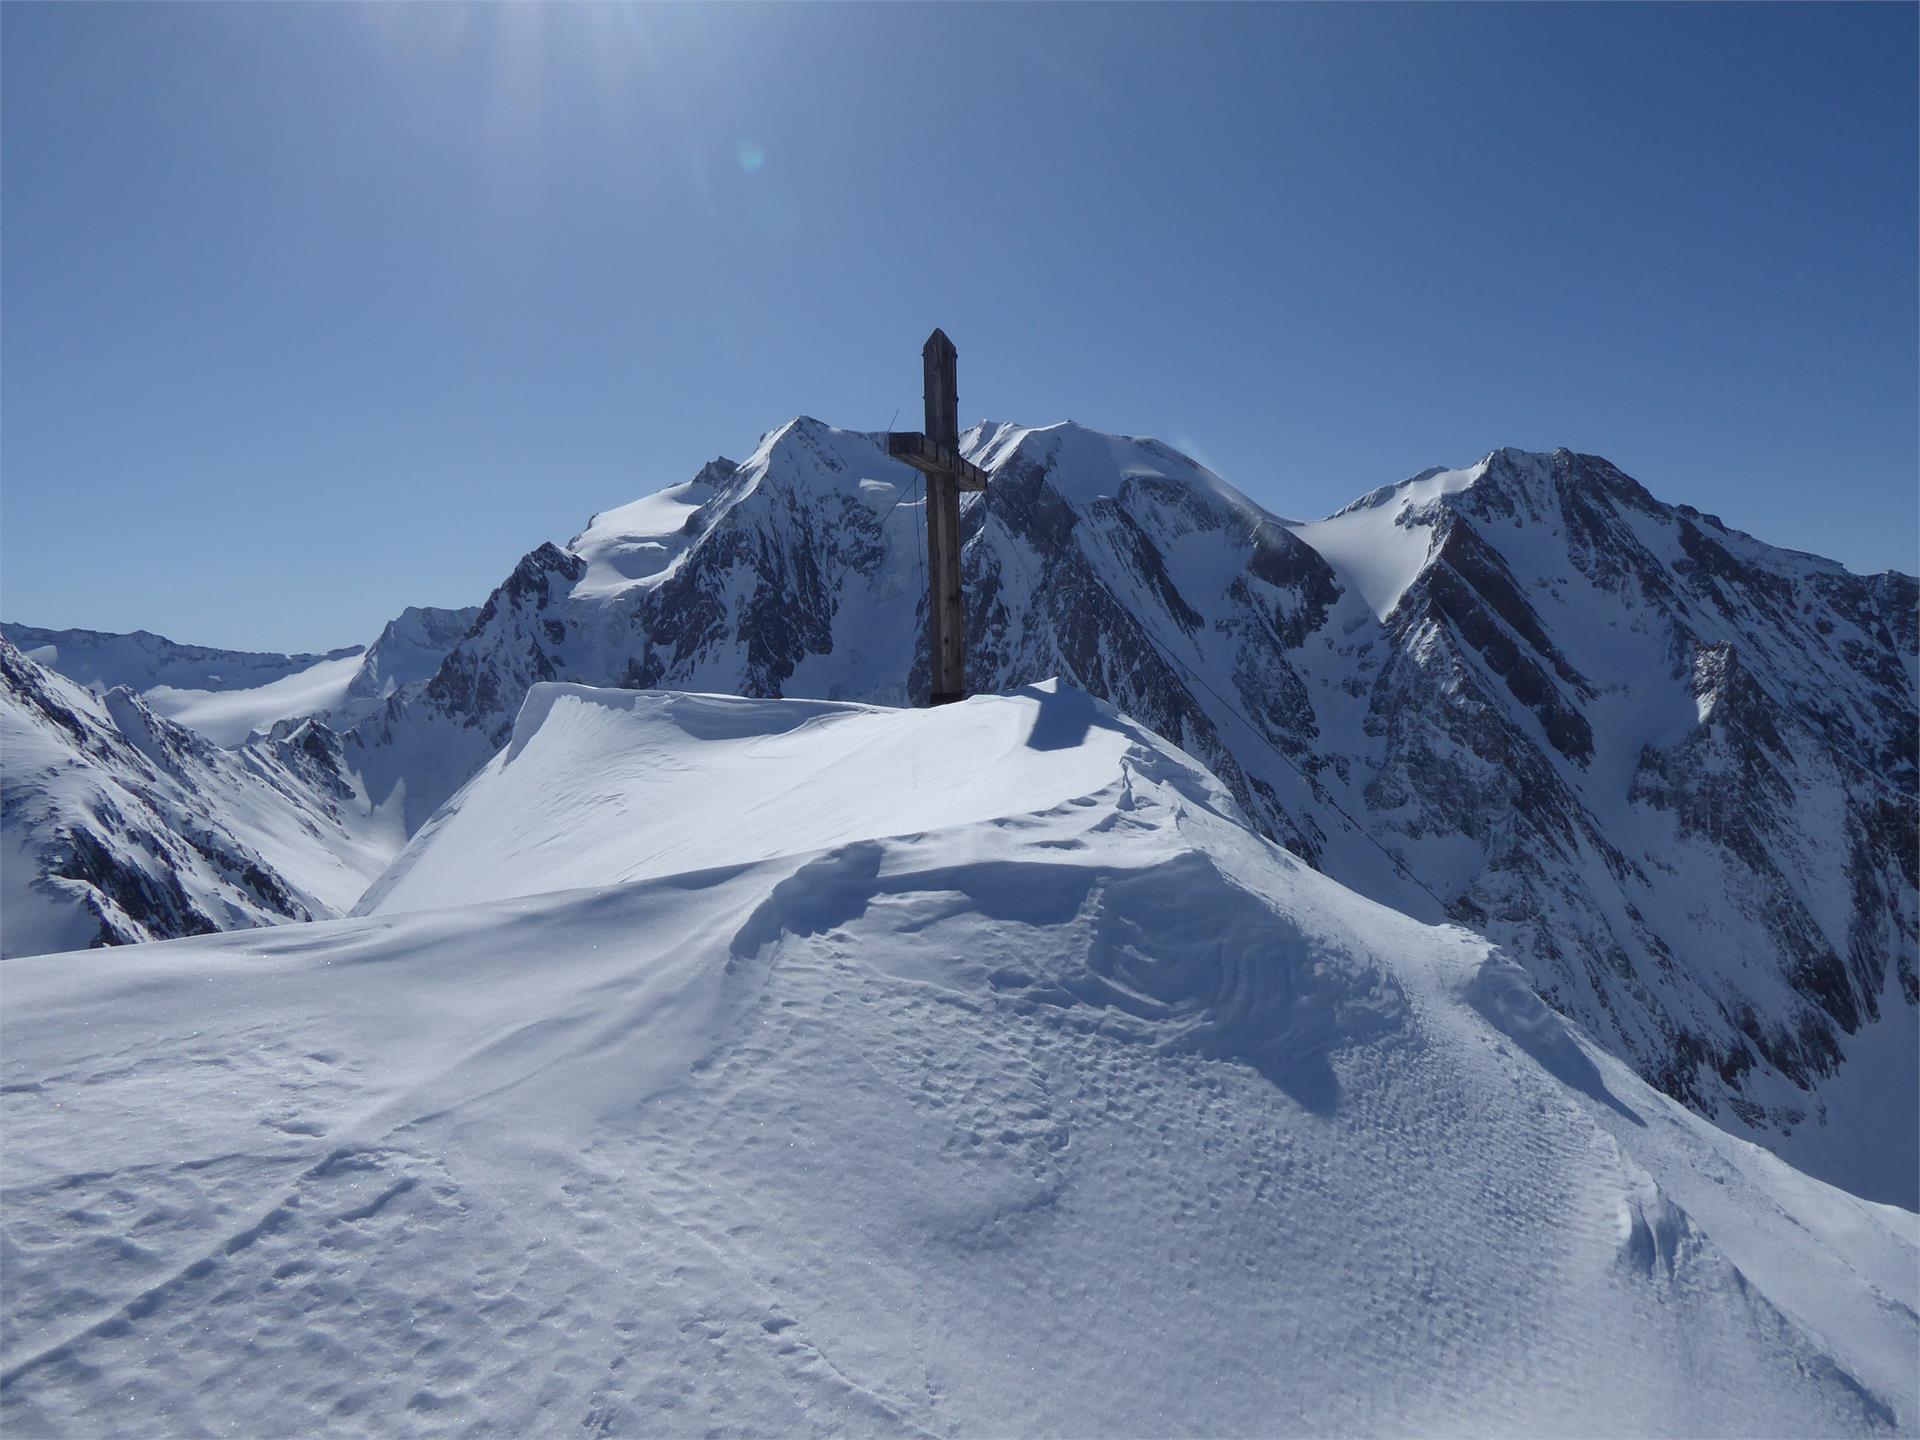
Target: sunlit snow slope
x: 968, y: 1072
x: 117, y: 825
x: 1669, y: 767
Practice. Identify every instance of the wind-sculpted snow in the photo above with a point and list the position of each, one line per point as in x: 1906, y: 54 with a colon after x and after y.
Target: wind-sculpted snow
x: 598, y: 787
x: 1671, y: 769
x: 1094, y: 1115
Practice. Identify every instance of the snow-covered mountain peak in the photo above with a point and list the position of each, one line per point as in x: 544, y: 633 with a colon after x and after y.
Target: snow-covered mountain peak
x: 641, y: 542
x: 1518, y: 470
x: 807, y: 450
x: 409, y: 649
x: 1414, y: 493
x: 1086, y: 467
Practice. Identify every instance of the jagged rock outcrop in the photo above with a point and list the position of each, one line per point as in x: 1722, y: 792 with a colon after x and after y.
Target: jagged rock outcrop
x: 409, y: 650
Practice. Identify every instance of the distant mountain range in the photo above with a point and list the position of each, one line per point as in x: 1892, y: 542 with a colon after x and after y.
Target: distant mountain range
x: 1669, y: 768
x: 228, y: 695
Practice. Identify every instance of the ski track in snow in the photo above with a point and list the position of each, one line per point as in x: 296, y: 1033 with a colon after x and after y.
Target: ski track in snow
x: 1102, y: 1118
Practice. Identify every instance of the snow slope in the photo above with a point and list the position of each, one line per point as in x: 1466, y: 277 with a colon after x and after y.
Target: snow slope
x: 1084, y: 1113
x: 1382, y: 541
x: 228, y: 717
x: 116, y: 825
x: 566, y: 803
x: 1670, y: 768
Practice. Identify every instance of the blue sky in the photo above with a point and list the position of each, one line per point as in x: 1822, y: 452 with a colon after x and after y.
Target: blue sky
x: 311, y: 312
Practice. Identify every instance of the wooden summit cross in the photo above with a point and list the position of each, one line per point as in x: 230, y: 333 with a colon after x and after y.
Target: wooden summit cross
x: 936, y: 454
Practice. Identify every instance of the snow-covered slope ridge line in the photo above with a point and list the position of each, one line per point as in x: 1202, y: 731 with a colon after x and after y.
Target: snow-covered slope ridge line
x: 117, y: 825
x: 590, y: 788
x: 1081, y: 1109
x: 229, y: 695
x: 1669, y: 767
x: 141, y: 661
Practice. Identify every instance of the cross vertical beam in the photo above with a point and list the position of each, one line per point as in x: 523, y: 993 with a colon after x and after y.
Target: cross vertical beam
x: 946, y: 620
x: 936, y: 454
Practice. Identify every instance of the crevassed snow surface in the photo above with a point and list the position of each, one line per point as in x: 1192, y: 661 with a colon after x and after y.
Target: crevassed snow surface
x: 1084, y: 1112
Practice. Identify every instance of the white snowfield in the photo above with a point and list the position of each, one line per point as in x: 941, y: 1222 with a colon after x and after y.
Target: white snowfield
x: 591, y: 789
x: 773, y: 1067
x: 1382, y: 541
x: 228, y: 717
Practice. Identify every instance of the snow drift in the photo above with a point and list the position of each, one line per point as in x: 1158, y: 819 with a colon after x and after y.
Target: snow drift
x: 988, y: 1075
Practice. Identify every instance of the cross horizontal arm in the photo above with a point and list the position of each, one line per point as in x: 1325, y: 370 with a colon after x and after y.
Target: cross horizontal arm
x: 932, y: 458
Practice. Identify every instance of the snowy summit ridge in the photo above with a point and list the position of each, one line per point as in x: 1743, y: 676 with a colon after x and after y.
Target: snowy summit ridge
x: 1670, y: 769
x: 987, y: 1074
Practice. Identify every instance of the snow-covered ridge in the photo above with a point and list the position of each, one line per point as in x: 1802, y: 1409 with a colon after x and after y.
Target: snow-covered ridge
x: 1524, y: 679
x: 1671, y: 768
x: 817, y: 1139
x: 142, y: 660
x: 122, y: 821
x: 602, y: 787
x: 406, y: 652
x: 230, y: 695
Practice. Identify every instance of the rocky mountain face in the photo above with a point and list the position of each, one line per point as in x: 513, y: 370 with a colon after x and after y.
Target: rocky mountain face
x: 1670, y: 768
x: 117, y: 825
x: 408, y: 650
